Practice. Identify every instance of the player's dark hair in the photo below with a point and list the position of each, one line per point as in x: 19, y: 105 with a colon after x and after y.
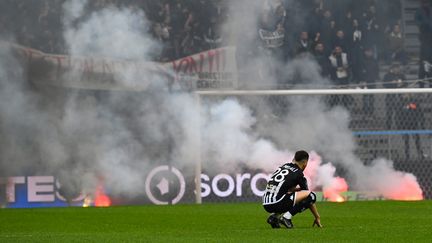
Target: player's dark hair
x: 301, y: 155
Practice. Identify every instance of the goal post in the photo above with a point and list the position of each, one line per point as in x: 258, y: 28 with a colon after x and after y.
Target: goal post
x: 312, y: 92
x: 382, y: 93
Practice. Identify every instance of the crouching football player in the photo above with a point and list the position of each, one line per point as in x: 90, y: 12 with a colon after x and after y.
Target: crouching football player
x: 283, y: 199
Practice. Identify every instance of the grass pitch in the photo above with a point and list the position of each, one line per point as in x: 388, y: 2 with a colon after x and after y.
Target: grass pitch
x: 385, y: 221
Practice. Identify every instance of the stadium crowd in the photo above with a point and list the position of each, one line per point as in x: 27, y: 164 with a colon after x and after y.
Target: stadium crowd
x: 351, y: 40
x: 183, y: 27
x: 348, y: 38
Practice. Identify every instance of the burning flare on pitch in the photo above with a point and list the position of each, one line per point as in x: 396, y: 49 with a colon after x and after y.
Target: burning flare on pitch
x: 100, y: 199
x: 323, y: 176
x: 333, y: 191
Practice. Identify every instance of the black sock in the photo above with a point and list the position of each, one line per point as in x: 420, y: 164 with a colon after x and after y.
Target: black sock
x: 303, y: 205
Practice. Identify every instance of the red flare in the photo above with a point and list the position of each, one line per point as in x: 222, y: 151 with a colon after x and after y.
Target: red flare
x: 101, y: 199
x: 333, y: 191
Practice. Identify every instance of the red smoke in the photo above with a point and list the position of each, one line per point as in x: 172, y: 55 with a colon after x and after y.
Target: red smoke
x: 406, y: 189
x: 101, y: 199
x: 323, y: 176
x: 383, y: 180
x: 334, y: 190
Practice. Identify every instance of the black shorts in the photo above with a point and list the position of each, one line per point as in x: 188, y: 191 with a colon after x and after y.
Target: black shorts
x: 282, y: 206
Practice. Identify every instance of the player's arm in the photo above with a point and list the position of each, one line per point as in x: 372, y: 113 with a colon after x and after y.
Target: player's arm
x: 303, y: 184
x: 315, y: 213
x: 294, y: 189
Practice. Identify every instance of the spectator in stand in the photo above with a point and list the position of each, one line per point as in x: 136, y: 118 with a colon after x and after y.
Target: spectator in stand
x: 426, y: 72
x: 327, y: 31
x: 373, y: 32
x: 202, y: 11
x: 346, y: 25
x: 356, y: 49
x: 315, y: 21
x: 341, y: 41
x: 162, y: 34
x: 393, y: 79
x: 195, y: 25
x: 340, y: 72
x: 178, y: 13
x: 198, y: 23
x: 423, y: 18
x: 304, y: 44
x: 369, y: 70
x: 396, y: 46
x: 193, y: 41
x: 322, y: 59
x: 213, y: 35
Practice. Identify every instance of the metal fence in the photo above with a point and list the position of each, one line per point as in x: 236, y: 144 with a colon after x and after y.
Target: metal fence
x: 396, y: 126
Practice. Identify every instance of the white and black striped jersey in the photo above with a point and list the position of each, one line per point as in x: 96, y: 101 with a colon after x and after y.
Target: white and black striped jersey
x: 286, y: 177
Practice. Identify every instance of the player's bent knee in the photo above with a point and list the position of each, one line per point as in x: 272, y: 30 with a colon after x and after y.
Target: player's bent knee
x: 313, y: 197
x: 301, y: 195
x: 309, y: 199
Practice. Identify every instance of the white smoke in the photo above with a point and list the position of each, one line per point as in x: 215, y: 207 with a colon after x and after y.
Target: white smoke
x: 307, y: 122
x: 229, y: 139
x: 116, y: 137
x: 85, y: 137
x: 117, y: 33
x: 229, y: 128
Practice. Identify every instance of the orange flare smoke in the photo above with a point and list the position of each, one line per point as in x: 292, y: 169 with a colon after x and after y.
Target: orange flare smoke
x: 407, y: 189
x: 101, y: 199
x: 334, y: 190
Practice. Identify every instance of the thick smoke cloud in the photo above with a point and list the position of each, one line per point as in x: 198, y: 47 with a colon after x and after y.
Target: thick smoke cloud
x: 117, y: 33
x: 230, y: 140
x: 307, y: 122
x: 86, y: 137
x: 13, y: 98
x: 261, y: 68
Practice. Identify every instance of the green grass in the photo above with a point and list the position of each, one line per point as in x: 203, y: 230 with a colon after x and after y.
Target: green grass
x: 384, y: 221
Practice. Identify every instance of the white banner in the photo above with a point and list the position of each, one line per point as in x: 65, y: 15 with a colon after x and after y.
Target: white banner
x: 207, y: 70
x: 213, y: 69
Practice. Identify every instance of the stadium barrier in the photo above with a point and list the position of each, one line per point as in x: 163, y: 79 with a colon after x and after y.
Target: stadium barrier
x: 376, y: 132
x: 385, y: 123
x: 391, y: 123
